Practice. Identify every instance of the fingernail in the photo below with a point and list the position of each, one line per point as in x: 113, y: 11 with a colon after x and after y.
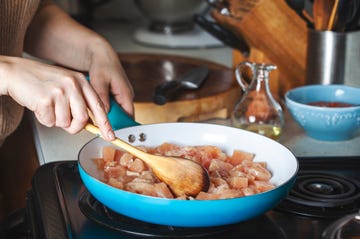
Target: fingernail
x: 111, y: 135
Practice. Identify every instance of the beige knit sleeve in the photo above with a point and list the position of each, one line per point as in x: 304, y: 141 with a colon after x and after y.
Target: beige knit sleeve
x: 11, y: 114
x: 15, y: 16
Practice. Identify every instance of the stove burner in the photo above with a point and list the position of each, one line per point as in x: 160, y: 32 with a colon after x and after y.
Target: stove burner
x: 97, y: 212
x: 324, y: 190
x: 322, y: 194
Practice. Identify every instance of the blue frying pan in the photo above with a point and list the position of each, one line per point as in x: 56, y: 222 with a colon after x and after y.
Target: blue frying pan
x: 188, y: 213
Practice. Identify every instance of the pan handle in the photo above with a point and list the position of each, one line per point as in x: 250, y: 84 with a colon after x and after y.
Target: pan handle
x: 118, y: 117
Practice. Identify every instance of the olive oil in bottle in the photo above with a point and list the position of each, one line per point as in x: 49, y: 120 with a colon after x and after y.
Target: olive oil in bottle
x: 271, y: 131
x: 257, y: 110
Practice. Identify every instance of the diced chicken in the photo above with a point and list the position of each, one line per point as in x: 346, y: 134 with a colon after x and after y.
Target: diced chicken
x: 230, y: 176
x: 115, y: 171
x: 141, y: 188
x: 263, y: 186
x: 226, y: 193
x: 126, y: 160
x: 222, y: 167
x: 162, y: 190
x: 109, y: 153
x: 100, y: 163
x: 137, y: 165
x: 239, y: 156
x: 238, y: 182
x: 259, y: 172
x: 248, y: 191
x: 116, y: 183
x: 182, y: 197
x: 207, y: 196
x: 148, y: 176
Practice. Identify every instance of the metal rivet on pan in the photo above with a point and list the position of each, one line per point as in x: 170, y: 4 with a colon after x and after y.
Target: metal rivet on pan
x: 131, y: 138
x: 142, y: 137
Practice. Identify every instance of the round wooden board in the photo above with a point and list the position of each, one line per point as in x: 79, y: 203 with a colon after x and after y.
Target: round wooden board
x: 215, y: 98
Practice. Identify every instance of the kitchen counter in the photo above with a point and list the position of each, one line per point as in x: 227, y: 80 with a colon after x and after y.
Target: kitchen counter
x: 54, y: 144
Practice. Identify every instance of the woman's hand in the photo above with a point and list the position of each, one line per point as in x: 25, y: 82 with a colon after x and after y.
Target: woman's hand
x: 55, y: 36
x: 108, y: 76
x: 57, y: 96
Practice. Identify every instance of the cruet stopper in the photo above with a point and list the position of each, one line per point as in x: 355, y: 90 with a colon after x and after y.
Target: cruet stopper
x: 257, y: 110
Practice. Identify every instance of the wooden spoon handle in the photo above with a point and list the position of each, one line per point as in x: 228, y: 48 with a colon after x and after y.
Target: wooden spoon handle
x: 321, y: 12
x: 333, y: 14
x: 184, y: 177
x: 122, y: 144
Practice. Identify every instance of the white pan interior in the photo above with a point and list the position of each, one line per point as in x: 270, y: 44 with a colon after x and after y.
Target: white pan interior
x: 280, y: 161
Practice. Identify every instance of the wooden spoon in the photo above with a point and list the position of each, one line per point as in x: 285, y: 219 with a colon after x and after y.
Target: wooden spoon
x: 334, y: 13
x: 321, y: 13
x: 183, y: 176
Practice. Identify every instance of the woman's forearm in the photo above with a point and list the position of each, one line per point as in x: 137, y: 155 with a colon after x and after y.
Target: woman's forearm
x: 55, y: 36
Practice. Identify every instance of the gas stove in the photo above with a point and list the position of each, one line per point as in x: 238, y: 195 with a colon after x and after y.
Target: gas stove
x: 326, y: 189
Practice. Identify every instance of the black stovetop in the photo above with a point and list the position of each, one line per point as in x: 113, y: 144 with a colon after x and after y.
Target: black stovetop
x: 59, y: 206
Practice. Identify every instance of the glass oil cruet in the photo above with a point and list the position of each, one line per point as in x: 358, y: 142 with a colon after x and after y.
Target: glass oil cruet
x: 257, y: 110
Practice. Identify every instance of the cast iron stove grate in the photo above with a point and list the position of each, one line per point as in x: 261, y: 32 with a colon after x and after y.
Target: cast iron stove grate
x: 104, y: 216
x: 54, y: 210
x: 323, y: 195
x: 71, y: 193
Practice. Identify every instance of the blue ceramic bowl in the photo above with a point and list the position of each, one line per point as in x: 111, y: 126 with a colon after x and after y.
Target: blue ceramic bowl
x: 325, y: 123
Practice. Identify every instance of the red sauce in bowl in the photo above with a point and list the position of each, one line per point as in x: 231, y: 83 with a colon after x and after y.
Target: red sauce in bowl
x: 330, y: 104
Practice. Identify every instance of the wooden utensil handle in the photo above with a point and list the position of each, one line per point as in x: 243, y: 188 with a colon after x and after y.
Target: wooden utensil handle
x: 121, y: 144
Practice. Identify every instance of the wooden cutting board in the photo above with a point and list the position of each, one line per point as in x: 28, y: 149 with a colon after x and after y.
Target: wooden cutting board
x: 215, y: 98
x: 275, y: 34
